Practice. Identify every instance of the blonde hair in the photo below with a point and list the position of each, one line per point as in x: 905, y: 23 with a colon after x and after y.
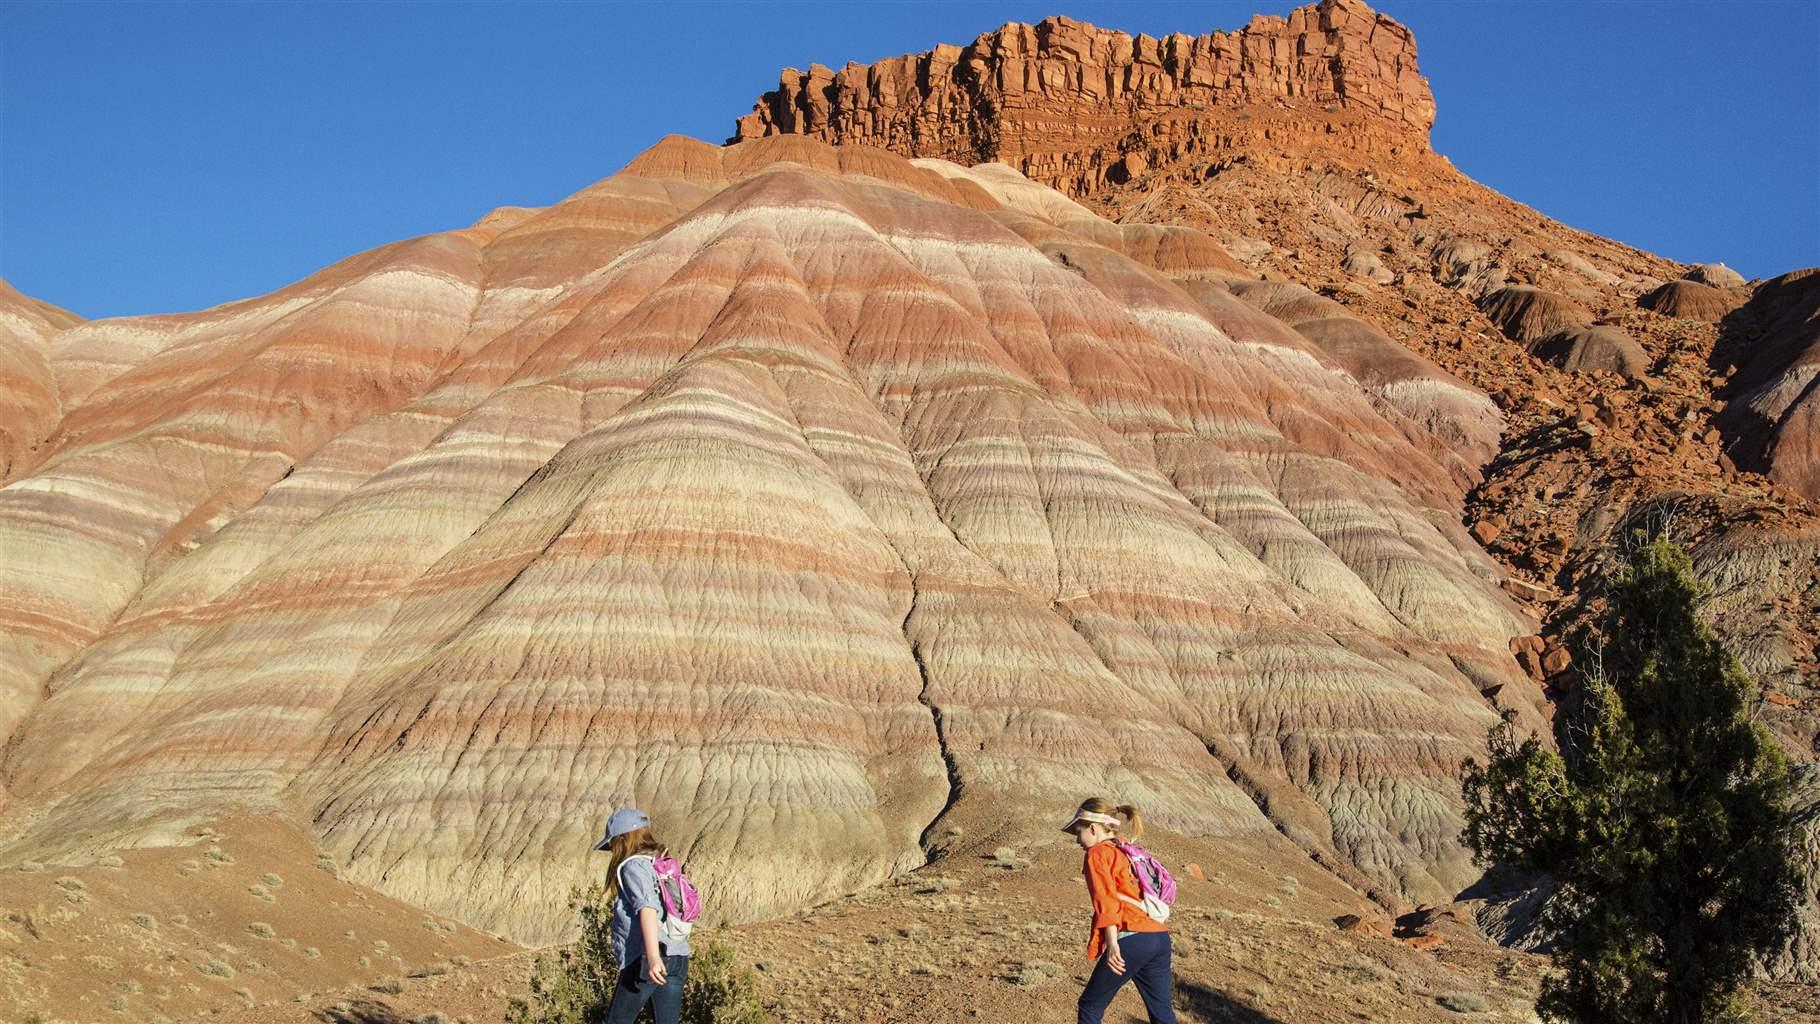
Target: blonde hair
x: 1133, y: 828
x: 636, y: 843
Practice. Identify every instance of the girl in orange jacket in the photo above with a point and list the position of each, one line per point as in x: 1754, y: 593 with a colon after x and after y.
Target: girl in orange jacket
x: 1129, y: 944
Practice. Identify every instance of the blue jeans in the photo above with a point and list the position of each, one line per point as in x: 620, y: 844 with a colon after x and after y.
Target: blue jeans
x: 633, y: 991
x: 1146, y: 963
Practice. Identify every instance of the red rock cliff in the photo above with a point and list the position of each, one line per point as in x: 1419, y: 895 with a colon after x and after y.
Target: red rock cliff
x: 1074, y: 106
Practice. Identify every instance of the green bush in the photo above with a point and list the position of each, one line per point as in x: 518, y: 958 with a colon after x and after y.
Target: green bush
x: 575, y: 985
x: 1666, y: 817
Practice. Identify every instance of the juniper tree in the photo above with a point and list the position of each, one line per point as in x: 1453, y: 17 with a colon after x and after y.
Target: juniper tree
x: 1665, y: 817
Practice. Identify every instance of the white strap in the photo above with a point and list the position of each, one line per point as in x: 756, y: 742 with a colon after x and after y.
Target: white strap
x: 621, y: 872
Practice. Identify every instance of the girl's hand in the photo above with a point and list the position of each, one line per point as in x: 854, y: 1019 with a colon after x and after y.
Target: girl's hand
x: 1115, y: 959
x: 656, y: 973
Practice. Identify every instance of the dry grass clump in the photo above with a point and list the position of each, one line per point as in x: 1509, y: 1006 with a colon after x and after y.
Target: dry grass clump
x: 266, y: 931
x: 245, y: 995
x: 146, y: 921
x: 312, y: 952
x: 390, y: 986
x: 30, y: 867
x: 215, y: 968
x: 73, y: 889
x: 428, y: 971
x: 110, y: 861
x: 1007, y: 858
x: 217, y: 855
x: 272, y: 879
x: 1035, y: 973
x: 1463, y: 1002
x: 1366, y: 969
x: 324, y: 862
x: 260, y: 892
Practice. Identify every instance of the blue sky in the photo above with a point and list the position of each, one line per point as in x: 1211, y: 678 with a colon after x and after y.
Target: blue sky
x: 165, y: 157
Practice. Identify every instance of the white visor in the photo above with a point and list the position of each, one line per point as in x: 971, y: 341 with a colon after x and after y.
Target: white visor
x: 1095, y: 816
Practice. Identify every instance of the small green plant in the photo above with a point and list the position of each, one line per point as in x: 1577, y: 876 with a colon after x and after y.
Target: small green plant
x: 576, y: 985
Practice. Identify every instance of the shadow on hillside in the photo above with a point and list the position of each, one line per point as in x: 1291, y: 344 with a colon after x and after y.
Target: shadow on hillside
x: 1211, y: 1006
x: 359, y: 1011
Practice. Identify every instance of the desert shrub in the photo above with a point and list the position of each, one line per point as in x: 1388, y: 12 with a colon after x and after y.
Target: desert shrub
x: 1463, y: 1002
x: 1035, y: 973
x: 576, y: 984
x: 261, y: 929
x: 1666, y: 817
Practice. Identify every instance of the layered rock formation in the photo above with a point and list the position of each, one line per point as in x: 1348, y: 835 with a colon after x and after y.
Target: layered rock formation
x: 1637, y: 393
x: 1078, y: 107
x: 807, y: 496
x: 29, y: 404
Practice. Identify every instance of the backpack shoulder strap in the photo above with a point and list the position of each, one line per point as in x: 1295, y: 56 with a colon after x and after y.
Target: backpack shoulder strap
x: 621, y: 869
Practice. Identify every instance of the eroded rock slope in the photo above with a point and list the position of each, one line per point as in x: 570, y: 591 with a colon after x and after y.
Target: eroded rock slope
x: 809, y: 497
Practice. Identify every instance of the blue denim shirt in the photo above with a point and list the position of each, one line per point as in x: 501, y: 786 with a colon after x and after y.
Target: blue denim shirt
x: 638, y: 890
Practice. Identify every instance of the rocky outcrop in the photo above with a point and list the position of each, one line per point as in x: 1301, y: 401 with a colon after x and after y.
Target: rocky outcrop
x: 1062, y: 101
x: 809, y: 497
x: 1692, y: 300
x: 1772, y: 344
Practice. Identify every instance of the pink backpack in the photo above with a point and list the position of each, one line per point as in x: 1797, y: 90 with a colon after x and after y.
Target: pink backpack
x: 1155, y: 883
x: 681, y: 903
x: 678, y: 894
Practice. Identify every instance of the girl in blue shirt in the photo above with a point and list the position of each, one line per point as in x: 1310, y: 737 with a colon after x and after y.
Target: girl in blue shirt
x: 653, y: 965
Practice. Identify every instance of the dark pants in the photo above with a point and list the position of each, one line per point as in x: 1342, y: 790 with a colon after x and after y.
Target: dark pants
x: 634, y: 990
x: 1146, y: 963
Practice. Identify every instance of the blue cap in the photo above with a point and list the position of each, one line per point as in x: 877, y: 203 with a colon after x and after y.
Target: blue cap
x: 624, y: 820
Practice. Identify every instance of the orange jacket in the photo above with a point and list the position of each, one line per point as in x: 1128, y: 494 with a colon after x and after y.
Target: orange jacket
x: 1109, y: 875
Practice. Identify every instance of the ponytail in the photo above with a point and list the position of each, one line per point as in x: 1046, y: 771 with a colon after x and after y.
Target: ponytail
x: 1134, y: 822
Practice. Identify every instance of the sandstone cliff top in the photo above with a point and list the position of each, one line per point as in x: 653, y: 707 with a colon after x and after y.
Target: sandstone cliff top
x: 1333, y: 53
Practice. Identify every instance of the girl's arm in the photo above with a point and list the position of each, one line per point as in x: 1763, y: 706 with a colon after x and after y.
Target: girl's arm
x: 1109, y: 938
x: 1106, y: 910
x: 654, y: 961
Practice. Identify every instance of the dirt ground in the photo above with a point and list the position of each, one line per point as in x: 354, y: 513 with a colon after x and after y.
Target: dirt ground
x: 248, y: 926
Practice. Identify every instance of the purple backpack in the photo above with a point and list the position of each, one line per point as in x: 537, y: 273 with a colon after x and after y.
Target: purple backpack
x: 1155, y: 883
